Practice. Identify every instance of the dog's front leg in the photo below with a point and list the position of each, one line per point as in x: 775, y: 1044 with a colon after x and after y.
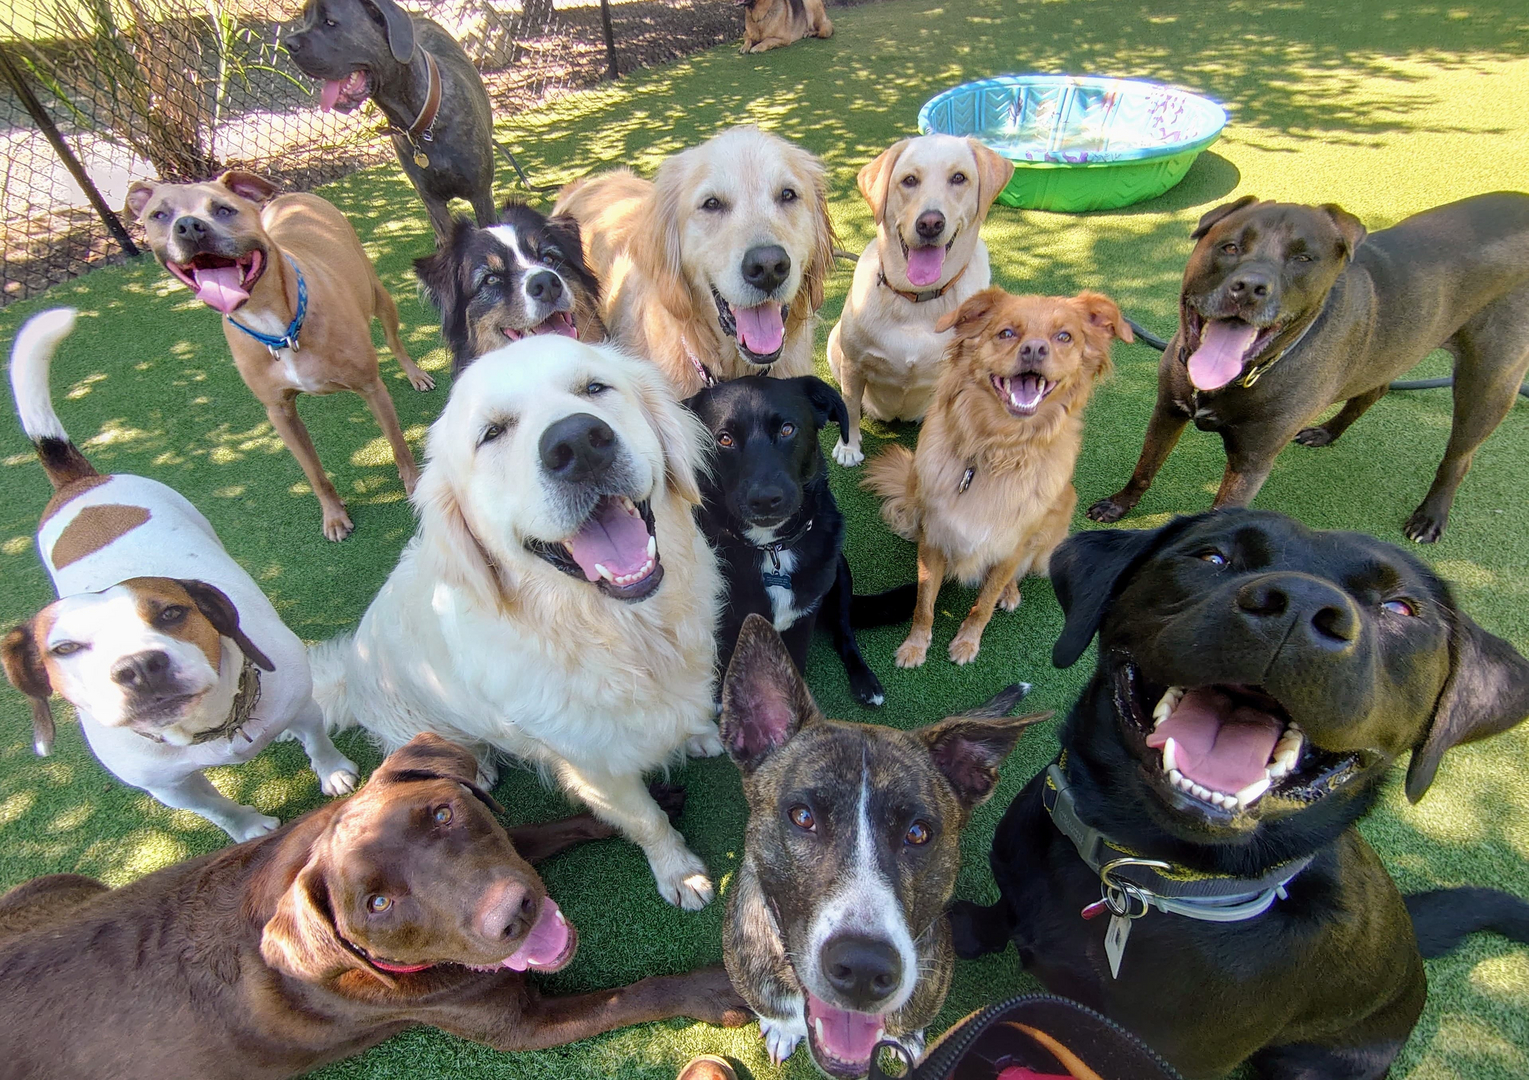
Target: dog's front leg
x: 1249, y: 460
x: 338, y: 775
x: 380, y: 402
x: 852, y: 382
x: 284, y: 418
x: 931, y: 575
x: 544, y: 839
x: 195, y: 792
x: 1163, y: 431
x: 966, y: 643
x: 836, y: 609
x: 625, y: 801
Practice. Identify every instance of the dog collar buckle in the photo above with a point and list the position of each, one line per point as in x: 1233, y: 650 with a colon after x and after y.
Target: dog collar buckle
x: 966, y: 479
x: 274, y: 343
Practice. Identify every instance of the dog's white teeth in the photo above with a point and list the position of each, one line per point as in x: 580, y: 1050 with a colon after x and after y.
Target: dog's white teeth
x: 1218, y: 799
x: 652, y: 548
x: 560, y: 920
x: 1176, y: 778
x: 606, y: 574
x: 1200, y: 792
x: 628, y: 505
x: 1250, y: 794
x: 818, y: 1023
x: 1171, y: 756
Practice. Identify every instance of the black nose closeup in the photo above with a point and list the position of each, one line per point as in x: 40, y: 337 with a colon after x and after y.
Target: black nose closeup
x: 544, y: 286
x: 865, y: 971
x: 766, y: 267
x: 1249, y: 284
x: 189, y: 228
x: 766, y: 500
x: 930, y: 224
x: 1323, y: 615
x: 578, y: 447
x: 1035, y: 350
x: 141, y: 671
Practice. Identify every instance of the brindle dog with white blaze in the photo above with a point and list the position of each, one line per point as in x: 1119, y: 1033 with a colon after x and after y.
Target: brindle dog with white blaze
x: 835, y: 928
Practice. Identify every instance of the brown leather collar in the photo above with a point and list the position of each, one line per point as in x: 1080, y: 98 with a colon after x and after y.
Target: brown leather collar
x: 420, y: 129
x: 920, y: 297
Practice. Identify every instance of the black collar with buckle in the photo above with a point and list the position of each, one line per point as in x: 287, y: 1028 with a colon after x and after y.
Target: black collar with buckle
x: 776, y: 546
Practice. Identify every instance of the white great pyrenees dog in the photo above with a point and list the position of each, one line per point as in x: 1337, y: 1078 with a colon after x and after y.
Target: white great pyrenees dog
x: 558, y: 603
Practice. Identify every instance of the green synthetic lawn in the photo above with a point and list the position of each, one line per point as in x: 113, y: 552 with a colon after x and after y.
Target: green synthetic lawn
x: 1384, y: 106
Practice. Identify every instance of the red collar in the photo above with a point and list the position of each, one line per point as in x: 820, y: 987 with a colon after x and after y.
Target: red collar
x: 382, y: 965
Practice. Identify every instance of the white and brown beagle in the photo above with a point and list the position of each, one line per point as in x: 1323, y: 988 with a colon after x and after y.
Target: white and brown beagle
x: 171, y: 655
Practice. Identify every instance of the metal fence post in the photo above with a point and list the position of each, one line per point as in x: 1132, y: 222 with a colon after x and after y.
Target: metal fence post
x: 610, y: 40
x: 50, y: 131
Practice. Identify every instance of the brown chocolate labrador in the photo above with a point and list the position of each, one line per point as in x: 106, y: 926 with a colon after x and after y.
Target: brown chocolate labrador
x: 406, y: 903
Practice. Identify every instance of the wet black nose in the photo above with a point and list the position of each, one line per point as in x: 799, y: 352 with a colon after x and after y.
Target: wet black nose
x: 765, y: 267
x: 1324, y: 616
x: 865, y: 971
x: 930, y: 224
x: 1249, y: 284
x: 766, y: 500
x: 578, y: 447
x: 190, y: 228
x: 545, y: 286
x: 142, y: 671
x: 1035, y: 350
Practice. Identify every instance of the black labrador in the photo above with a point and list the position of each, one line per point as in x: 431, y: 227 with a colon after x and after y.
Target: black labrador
x: 1256, y: 680
x: 441, y: 123
x: 768, y: 512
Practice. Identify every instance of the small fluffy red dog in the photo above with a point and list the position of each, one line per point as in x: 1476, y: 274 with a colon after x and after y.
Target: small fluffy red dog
x: 988, y: 494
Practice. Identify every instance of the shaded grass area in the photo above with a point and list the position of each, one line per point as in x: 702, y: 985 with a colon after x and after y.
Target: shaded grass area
x: 1385, y: 106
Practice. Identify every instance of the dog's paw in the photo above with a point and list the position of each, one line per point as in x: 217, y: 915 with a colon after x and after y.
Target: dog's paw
x: 250, y: 825
x: 670, y: 799
x: 341, y: 781
x: 337, y: 524
x: 706, y: 744
x: 1107, y: 510
x: 867, y: 687
x: 1011, y: 599
x: 1423, y: 527
x: 421, y: 380
x: 846, y: 455
x: 1315, y: 436
x: 683, y: 882
x: 964, y: 647
x: 911, y: 653
x: 782, y: 1037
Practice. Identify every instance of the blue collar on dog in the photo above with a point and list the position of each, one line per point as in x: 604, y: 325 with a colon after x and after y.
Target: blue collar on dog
x: 295, y: 327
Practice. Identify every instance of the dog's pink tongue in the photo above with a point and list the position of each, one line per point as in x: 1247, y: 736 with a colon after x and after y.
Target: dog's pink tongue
x: 847, y: 1036
x: 761, y: 329
x: 612, y: 537
x: 1218, y: 360
x: 331, y: 92
x: 221, y: 288
x: 1221, y: 744
x: 925, y: 264
x: 545, y: 943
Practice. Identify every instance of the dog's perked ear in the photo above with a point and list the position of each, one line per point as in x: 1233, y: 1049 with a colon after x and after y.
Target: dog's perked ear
x: 247, y: 185
x: 1210, y: 217
x: 764, y: 700
x: 827, y: 404
x: 994, y: 171
x: 139, y: 193
x: 969, y: 749
x: 1349, y: 227
x: 1487, y: 693
x: 24, y: 669
x: 400, y: 29
x: 969, y: 317
x: 220, y: 611
x: 875, y: 178
x: 1087, y: 570
x: 429, y: 757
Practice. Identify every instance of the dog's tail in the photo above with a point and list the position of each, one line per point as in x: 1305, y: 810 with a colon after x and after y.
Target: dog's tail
x: 890, y: 475
x: 31, y: 358
x: 1442, y: 918
x: 883, y: 608
x: 330, y: 663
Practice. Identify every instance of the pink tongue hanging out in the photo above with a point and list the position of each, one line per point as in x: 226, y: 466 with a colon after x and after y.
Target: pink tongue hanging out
x: 331, y: 92
x: 1218, y: 360
x: 847, y: 1036
x: 221, y: 288
x: 925, y: 264
x: 1220, y: 743
x: 761, y: 329
x: 544, y: 944
x: 612, y: 537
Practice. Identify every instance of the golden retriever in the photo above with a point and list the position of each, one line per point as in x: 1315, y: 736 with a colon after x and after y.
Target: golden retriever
x: 770, y: 24
x: 715, y: 269
x: 558, y: 604
x: 929, y: 197
x: 988, y: 493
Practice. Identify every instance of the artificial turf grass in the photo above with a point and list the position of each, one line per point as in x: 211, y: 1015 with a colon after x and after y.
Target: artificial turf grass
x: 1383, y: 109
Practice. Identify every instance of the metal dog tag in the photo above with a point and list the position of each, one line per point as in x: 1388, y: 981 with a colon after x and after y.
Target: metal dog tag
x: 421, y: 159
x: 1115, y: 942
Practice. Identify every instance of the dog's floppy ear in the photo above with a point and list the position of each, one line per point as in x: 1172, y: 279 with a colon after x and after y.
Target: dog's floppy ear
x: 820, y: 262
x: 1349, y: 227
x: 1087, y: 570
x: 1212, y: 216
x: 400, y: 29
x: 570, y: 241
x: 24, y: 669
x: 827, y: 405
x: 1487, y: 693
x: 440, y: 279
x: 138, y: 195
x: 446, y: 538
x: 1105, y: 322
x: 429, y: 757
x: 681, y: 435
x: 247, y: 185
x: 764, y: 700
x: 301, y: 938
x: 969, y: 317
x: 655, y: 243
x: 220, y: 611
x: 968, y: 749
x: 875, y: 178
x: 993, y: 174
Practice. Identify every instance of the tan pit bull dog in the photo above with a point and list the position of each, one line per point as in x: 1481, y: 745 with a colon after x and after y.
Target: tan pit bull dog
x: 293, y: 269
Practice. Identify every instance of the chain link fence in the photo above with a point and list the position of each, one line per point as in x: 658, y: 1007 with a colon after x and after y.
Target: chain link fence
x: 95, y: 94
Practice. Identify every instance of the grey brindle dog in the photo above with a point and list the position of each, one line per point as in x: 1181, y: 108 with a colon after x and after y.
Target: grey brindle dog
x: 438, y: 112
x: 835, y: 929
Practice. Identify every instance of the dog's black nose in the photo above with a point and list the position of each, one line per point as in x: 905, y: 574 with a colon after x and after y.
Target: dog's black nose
x: 930, y: 224
x: 765, y: 500
x: 1324, y: 615
x: 190, y: 228
x: 765, y: 267
x: 545, y: 286
x: 141, y: 671
x: 865, y: 971
x: 1036, y: 350
x: 1249, y: 284
x: 578, y: 447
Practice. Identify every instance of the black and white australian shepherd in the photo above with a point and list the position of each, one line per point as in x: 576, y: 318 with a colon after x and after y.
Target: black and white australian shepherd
x: 525, y: 275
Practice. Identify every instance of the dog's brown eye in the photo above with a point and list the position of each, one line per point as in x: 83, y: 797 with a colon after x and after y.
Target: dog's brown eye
x: 443, y: 815
x: 1063, y: 336
x: 490, y: 433
x: 1005, y: 334
x: 958, y: 178
x: 1400, y: 607
x: 159, y: 215
x: 712, y: 203
x: 910, y: 181
x: 788, y: 195
x: 918, y: 834
x: 724, y: 439
x: 1229, y: 249
x: 171, y: 615
x: 66, y: 648
x: 1215, y: 558
x: 378, y: 904
x: 802, y: 818
x: 787, y: 430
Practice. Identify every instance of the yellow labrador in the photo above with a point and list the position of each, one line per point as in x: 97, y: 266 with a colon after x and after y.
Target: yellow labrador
x: 929, y: 196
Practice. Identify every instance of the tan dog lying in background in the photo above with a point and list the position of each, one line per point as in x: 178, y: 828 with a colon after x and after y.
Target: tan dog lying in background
x: 715, y: 269
x: 770, y: 24
x: 241, y: 250
x: 929, y: 197
x: 988, y: 494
